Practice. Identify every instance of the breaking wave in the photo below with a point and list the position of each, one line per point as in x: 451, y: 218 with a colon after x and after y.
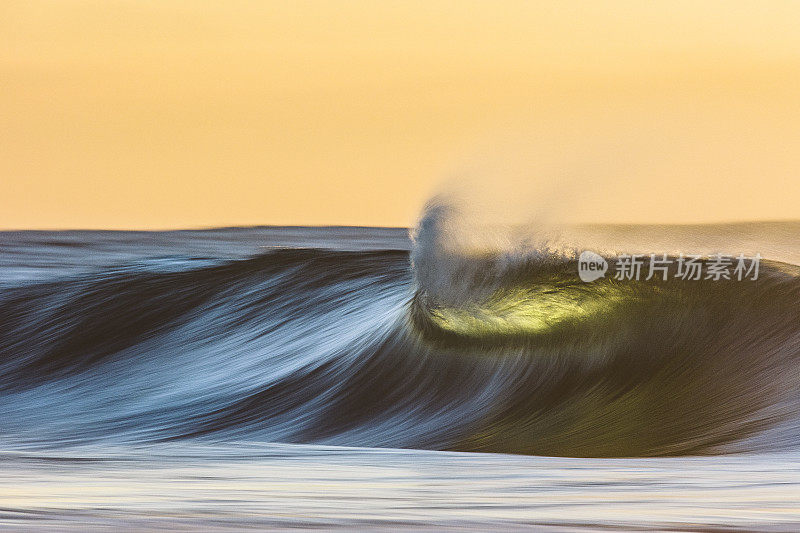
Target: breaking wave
x: 445, y: 347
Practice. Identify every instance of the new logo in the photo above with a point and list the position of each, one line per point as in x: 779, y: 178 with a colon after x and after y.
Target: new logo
x: 591, y: 266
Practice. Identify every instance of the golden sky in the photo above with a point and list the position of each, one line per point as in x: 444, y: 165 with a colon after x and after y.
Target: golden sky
x: 185, y: 113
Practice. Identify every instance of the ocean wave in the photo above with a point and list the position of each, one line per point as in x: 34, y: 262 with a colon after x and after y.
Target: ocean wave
x: 501, y: 350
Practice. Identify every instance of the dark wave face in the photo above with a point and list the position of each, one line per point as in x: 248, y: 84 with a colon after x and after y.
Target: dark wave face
x: 310, y: 345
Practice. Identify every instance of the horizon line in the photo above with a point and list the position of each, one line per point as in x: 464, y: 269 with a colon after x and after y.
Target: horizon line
x: 356, y: 226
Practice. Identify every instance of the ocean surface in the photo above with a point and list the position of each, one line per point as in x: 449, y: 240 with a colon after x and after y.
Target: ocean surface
x: 359, y: 378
